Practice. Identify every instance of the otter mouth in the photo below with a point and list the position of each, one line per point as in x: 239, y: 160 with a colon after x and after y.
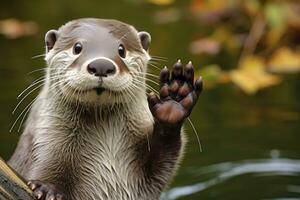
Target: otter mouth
x: 99, y: 90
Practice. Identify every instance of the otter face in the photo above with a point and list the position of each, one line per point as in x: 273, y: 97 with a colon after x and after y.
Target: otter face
x: 97, y: 61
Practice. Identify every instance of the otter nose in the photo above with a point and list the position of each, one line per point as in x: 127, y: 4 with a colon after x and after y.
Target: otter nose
x: 101, y: 67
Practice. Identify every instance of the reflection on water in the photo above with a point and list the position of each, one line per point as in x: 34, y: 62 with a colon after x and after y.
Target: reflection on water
x: 222, y: 172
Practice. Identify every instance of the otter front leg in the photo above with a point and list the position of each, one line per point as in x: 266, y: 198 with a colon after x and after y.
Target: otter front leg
x: 178, y: 95
x: 44, y: 191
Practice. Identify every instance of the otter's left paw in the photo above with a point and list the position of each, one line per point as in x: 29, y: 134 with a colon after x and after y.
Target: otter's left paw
x: 178, y: 95
x: 44, y: 191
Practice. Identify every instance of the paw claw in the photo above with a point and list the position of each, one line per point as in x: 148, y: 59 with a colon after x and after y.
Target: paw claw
x: 50, y: 196
x: 177, y: 71
x: 39, y: 194
x: 189, y: 73
x: 164, y: 75
x: 199, y: 85
x: 45, y: 191
x: 31, y: 185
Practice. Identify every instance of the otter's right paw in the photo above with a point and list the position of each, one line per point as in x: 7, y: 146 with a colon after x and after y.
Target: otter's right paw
x: 44, y: 191
x: 178, y: 95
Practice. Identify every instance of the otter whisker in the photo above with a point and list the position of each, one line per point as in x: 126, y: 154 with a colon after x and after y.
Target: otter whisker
x: 147, y: 74
x: 149, y: 80
x: 44, y: 69
x: 151, y: 64
x: 64, y: 87
x: 131, y: 94
x: 37, y: 70
x: 151, y: 90
x: 25, y: 114
x: 148, y: 86
x: 138, y: 88
x: 160, y: 57
x: 157, y: 61
x: 38, y: 56
x: 142, y: 76
x: 42, y: 79
x: 196, y: 133
x: 154, y: 61
x: 27, y: 107
x: 34, y: 82
x: 154, y: 82
x: 38, y: 83
x: 31, y: 91
x: 154, y: 64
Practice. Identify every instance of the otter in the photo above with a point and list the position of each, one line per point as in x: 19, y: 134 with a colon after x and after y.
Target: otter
x: 94, y: 132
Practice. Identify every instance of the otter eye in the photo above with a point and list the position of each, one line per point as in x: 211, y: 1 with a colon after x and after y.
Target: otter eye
x: 77, y: 48
x: 122, y: 51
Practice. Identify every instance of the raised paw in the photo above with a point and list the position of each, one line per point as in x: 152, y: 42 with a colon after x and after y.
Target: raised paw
x: 178, y: 94
x: 44, y: 191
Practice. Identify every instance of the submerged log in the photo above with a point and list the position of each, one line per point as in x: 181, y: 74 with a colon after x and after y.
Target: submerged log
x: 12, y: 185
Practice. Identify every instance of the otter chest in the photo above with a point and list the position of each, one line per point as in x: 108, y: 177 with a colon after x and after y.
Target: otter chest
x: 107, y: 160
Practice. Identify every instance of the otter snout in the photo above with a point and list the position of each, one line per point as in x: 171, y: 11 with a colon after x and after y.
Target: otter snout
x: 101, y: 67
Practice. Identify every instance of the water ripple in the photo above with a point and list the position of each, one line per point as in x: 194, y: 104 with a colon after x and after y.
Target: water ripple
x: 225, y: 171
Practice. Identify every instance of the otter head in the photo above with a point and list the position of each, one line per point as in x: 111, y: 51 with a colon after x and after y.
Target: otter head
x: 97, y: 61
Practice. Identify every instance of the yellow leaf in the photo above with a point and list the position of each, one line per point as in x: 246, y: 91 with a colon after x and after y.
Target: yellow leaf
x: 284, y: 60
x: 251, y: 75
x: 161, y: 2
x: 13, y: 28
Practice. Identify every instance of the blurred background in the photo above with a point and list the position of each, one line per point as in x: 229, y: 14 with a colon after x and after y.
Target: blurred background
x: 248, y: 117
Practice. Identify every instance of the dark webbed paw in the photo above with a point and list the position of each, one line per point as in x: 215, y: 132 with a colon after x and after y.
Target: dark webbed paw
x: 44, y: 191
x: 178, y: 95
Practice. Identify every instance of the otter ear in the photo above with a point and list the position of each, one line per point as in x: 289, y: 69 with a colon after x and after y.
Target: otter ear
x: 145, y: 39
x: 50, y: 39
